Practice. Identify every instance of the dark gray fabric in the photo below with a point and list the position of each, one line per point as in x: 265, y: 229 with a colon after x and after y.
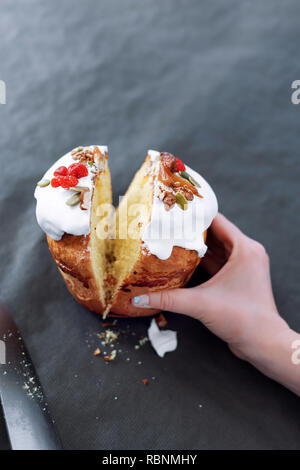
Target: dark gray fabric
x: 209, y: 81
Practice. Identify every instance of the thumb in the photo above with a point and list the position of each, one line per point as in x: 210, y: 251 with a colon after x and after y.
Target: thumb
x: 187, y: 301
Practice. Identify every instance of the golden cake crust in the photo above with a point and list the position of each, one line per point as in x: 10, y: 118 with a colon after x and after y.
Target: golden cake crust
x: 149, y: 274
x: 73, y: 260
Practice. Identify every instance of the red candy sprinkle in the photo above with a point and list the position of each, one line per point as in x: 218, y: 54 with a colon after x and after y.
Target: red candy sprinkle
x: 65, y: 182
x: 55, y: 182
x: 68, y: 181
x: 68, y: 177
x: 180, y: 165
x: 78, y: 170
x: 61, y: 171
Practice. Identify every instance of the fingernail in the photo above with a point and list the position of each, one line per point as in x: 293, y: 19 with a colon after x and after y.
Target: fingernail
x: 141, y: 301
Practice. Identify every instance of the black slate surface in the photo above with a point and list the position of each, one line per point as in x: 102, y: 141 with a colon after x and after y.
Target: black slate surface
x: 209, y: 81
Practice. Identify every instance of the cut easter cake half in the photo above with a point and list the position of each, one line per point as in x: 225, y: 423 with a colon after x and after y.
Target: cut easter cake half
x: 161, y: 231
x: 154, y: 241
x: 67, y: 201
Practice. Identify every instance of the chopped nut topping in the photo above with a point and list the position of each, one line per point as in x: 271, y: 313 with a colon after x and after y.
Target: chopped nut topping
x: 79, y: 149
x: 97, y: 352
x: 188, y: 194
x: 83, y: 156
x: 169, y: 200
x: 167, y: 178
x: 86, y: 156
x: 169, y: 161
x: 85, y: 197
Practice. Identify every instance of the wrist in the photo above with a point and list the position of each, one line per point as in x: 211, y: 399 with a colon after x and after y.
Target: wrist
x: 263, y: 351
x: 277, y: 355
x: 259, y: 345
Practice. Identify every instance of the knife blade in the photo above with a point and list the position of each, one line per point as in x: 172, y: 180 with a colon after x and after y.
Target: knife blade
x: 26, y: 413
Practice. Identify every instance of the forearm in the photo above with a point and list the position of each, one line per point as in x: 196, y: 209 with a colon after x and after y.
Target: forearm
x: 278, y: 357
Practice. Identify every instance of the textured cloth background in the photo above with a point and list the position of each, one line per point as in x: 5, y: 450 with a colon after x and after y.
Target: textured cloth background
x: 209, y: 81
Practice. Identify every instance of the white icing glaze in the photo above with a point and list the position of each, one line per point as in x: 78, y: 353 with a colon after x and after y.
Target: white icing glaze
x: 54, y: 216
x: 165, y: 230
x: 154, y: 155
x: 176, y: 227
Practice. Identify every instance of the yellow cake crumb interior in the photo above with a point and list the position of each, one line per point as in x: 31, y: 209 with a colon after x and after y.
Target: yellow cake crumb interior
x: 102, y: 196
x: 113, y: 258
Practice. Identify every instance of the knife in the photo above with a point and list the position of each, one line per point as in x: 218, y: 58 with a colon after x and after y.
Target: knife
x: 28, y: 421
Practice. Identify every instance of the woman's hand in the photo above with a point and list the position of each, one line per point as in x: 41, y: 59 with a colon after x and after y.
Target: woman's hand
x: 237, y: 303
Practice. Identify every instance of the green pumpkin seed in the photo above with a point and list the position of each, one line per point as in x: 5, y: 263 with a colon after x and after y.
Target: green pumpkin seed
x: 181, y: 201
x: 79, y: 188
x: 194, y: 182
x: 184, y: 174
x: 189, y: 178
x: 73, y: 200
x: 43, y: 183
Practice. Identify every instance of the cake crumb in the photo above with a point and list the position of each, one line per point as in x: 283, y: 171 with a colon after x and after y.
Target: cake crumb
x: 161, y: 320
x: 111, y: 356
